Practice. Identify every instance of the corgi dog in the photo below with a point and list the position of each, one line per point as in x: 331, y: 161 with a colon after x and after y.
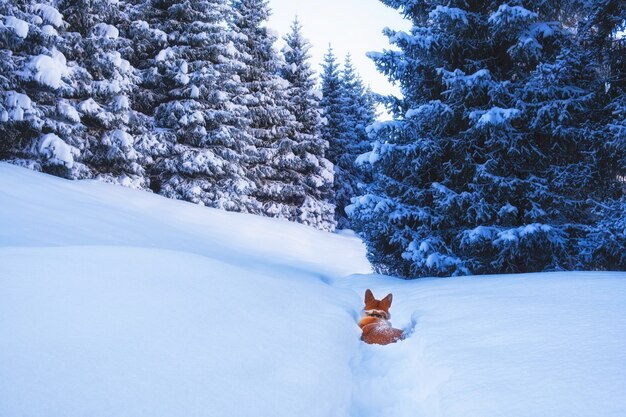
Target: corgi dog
x: 375, y: 324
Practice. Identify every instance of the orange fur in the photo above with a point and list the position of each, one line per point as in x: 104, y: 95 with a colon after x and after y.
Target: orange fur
x: 375, y: 325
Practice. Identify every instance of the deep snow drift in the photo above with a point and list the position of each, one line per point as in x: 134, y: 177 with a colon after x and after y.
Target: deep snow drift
x: 115, y: 302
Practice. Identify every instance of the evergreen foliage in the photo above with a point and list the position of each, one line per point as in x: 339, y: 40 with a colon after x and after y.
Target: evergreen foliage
x: 113, y: 132
x: 506, y: 152
x: 332, y: 103
x: 289, y: 171
x: 39, y: 126
x: 604, y: 247
x: 348, y: 109
x: 491, y: 162
x: 187, y: 98
x: 312, y: 169
x: 202, y: 124
x: 358, y: 112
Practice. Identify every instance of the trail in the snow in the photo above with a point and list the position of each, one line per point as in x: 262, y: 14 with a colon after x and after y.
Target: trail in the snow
x: 398, y: 379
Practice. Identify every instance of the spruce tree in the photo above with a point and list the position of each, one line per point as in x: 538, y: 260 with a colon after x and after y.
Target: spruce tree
x: 358, y: 112
x: 487, y: 166
x: 278, y: 168
x: 193, y: 89
x: 313, y: 171
x: 114, y: 131
x: 38, y: 123
x: 605, y: 244
x: 348, y: 109
x: 332, y: 103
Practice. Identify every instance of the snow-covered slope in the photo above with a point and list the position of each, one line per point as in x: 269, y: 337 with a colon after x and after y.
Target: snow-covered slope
x: 531, y: 345
x: 41, y: 210
x: 115, y: 302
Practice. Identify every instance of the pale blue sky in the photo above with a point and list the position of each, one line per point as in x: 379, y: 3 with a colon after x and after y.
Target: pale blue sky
x: 353, y: 26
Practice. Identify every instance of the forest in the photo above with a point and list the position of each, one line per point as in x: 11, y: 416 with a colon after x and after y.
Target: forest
x: 505, y: 152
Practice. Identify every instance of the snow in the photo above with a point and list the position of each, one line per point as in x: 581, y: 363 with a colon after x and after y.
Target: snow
x: 517, y: 345
x: 49, y: 30
x: 452, y: 13
x: 508, y: 208
x: 194, y: 91
x: 103, y: 30
x: 116, y: 59
x: 17, y: 104
x: 509, y: 14
x: 116, y: 302
x: 48, y: 70
x: 120, y: 103
x: 425, y: 110
x: 479, y: 233
x: 166, y: 54
x: 16, y: 114
x: 119, y: 138
x: 231, y: 49
x: 15, y: 99
x: 480, y: 78
x: 494, y: 116
x: 55, y: 150
x: 91, y: 213
x: 367, y: 158
x: 49, y: 14
x: 19, y: 26
x: 90, y: 107
x: 68, y: 111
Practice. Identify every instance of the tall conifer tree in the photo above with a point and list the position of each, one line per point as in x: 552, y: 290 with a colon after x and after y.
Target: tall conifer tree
x: 313, y: 171
x: 282, y: 159
x: 114, y: 132
x: 348, y: 109
x: 487, y: 166
x: 38, y: 123
x: 196, y: 91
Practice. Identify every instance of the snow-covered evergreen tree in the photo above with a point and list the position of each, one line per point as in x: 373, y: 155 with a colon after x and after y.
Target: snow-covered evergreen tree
x: 114, y: 132
x: 282, y: 165
x: 313, y: 170
x: 38, y: 124
x: 332, y: 103
x: 358, y: 112
x: 605, y: 244
x: 488, y: 165
x: 192, y: 89
x: 348, y: 108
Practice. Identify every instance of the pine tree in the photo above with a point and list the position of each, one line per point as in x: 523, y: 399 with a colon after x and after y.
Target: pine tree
x: 114, y: 132
x: 332, y: 104
x: 38, y: 123
x: 192, y: 91
x: 358, y: 112
x: 278, y: 167
x: 313, y: 171
x: 348, y: 109
x: 487, y: 166
x: 604, y: 246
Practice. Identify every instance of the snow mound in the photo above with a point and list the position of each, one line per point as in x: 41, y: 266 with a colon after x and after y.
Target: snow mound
x: 59, y: 212
x: 19, y: 26
x: 55, y: 150
x: 48, y: 70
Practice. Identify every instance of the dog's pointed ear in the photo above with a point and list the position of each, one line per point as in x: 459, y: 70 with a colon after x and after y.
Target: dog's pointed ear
x: 387, y: 301
x: 369, y: 297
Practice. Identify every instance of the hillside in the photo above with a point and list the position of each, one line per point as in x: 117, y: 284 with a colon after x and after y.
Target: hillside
x: 115, y: 302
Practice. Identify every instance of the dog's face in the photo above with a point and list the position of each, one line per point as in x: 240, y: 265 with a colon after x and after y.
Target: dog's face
x: 377, y: 308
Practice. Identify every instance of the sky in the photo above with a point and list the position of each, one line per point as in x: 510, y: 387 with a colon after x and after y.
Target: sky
x: 351, y: 26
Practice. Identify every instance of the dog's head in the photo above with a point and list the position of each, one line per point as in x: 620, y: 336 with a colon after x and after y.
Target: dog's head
x: 377, y: 308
